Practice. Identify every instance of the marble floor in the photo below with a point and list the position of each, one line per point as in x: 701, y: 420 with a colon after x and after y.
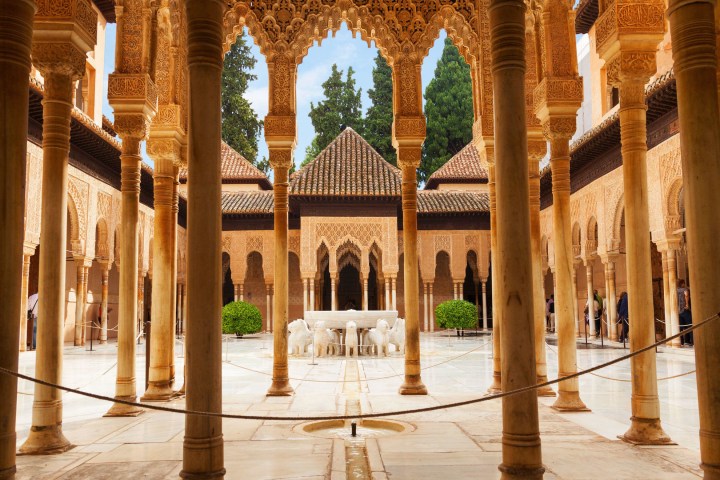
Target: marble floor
x: 450, y: 443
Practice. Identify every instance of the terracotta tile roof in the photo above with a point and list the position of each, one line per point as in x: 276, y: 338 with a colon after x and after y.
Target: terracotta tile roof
x: 349, y: 166
x: 449, y: 202
x: 248, y: 203
x: 465, y: 167
x: 236, y: 169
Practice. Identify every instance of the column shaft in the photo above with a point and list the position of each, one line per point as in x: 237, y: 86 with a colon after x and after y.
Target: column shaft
x: 565, y: 277
x: 79, y: 268
x: 521, y: 456
x: 312, y: 294
x: 46, y: 432
x: 365, y: 293
x: 484, y: 304
x: 672, y: 293
x: 388, y: 306
x: 394, y: 293
x: 24, y: 302
x: 125, y: 386
x: 695, y: 56
x: 333, y: 293
x: 203, y: 453
x: 590, y: 297
x: 412, y: 385
x: 496, y: 385
x: 162, y: 337
x: 104, y: 303
x: 280, y: 381
x: 426, y: 319
x: 16, y: 24
x: 645, y: 427
x: 666, y: 294
x: 612, y: 302
x: 305, y: 294
x: 432, y: 310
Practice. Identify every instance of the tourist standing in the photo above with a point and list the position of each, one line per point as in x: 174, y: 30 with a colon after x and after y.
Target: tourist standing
x: 683, y: 294
x: 32, y: 317
x: 623, y: 319
x: 551, y: 313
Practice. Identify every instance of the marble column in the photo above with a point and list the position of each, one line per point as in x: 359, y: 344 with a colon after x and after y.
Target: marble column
x: 125, y: 387
x: 697, y: 86
x: 432, y: 310
x: 575, y: 307
x: 393, y: 281
x: 590, y: 296
x: 455, y: 290
x: 162, y: 336
x: 104, y: 302
x: 496, y: 385
x: 666, y: 294
x: 268, y: 309
x: 409, y: 160
x: 46, y: 434
x: 672, y: 293
x: 79, y: 286
x: 16, y: 28
x: 203, y: 451
x: 484, y: 304
x: 565, y: 273
x: 305, y: 282
x: 281, y: 161
x: 365, y: 293
x: 645, y: 425
x: 537, y: 148
x: 612, y: 301
x: 521, y: 455
x: 236, y: 292
x: 24, y: 307
x: 333, y: 292
x: 426, y: 319
x: 312, y: 294
x: 388, y: 305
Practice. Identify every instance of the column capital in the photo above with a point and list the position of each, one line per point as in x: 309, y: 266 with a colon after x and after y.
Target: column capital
x: 64, y: 32
x: 281, y: 158
x: 134, y: 99
x: 558, y: 97
x: 280, y: 130
x: 668, y: 243
x: 165, y: 147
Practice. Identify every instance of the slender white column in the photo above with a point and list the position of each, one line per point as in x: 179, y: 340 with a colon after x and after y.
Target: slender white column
x: 104, y: 302
x: 672, y: 293
x: 394, y: 293
x: 388, y: 305
x: 426, y: 319
x: 305, y: 294
x: 432, y: 309
x: 333, y: 293
x: 312, y: 293
x: 236, y: 292
x: 484, y: 304
x: 590, y: 297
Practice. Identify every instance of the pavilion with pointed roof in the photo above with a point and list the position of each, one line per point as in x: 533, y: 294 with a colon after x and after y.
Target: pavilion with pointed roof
x: 345, y: 237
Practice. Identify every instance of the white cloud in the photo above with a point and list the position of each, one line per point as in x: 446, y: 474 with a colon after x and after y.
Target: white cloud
x: 258, y: 98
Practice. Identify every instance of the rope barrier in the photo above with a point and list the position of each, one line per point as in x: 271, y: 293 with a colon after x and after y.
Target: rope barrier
x: 364, y: 380
x: 394, y: 413
x: 661, y: 379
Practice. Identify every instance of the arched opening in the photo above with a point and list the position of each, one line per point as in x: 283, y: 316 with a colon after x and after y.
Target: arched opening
x: 471, y: 287
x: 295, y: 288
x: 255, y: 291
x: 443, y: 285
x: 349, y: 287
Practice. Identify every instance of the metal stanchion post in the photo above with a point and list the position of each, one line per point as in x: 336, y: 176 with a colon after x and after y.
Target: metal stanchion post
x: 92, y: 327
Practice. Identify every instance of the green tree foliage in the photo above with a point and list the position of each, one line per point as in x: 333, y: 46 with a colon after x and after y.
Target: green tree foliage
x: 241, y: 318
x: 240, y: 124
x: 456, y: 314
x: 379, y: 119
x: 342, y: 106
x: 449, y: 111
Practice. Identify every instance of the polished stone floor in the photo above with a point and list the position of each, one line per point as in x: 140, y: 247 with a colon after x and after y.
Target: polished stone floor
x: 450, y: 443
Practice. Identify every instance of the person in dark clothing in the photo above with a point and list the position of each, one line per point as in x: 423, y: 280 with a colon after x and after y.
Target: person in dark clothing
x: 623, y: 317
x: 683, y: 294
x: 551, y: 314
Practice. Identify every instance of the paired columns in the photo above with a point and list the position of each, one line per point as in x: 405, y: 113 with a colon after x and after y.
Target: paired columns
x: 104, y: 301
x: 24, y: 307
x: 695, y: 55
x: 162, y: 339
x: 80, y: 299
x: 60, y: 71
x: 16, y: 29
x: 611, y: 298
x: 590, y: 296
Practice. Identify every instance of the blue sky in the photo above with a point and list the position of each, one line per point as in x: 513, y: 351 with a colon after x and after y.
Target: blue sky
x: 343, y: 49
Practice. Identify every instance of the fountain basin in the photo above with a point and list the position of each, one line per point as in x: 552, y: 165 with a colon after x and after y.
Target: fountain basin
x: 366, y: 428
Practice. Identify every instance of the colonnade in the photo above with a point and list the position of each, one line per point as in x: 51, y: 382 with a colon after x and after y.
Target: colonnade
x: 515, y: 365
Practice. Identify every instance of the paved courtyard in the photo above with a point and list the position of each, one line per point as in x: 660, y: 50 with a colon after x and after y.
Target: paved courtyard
x: 450, y: 443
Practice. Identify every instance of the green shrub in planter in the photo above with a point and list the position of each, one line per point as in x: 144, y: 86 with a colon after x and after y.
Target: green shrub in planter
x: 241, y: 318
x: 456, y: 314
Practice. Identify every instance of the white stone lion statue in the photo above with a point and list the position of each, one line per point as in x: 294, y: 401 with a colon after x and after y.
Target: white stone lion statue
x: 300, y: 336
x: 334, y: 347
x: 378, y: 338
x: 323, y: 338
x: 397, y: 335
x: 351, y: 339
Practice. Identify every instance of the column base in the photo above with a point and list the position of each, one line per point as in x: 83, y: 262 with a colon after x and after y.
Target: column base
x: 158, y: 392
x: 8, y: 473
x: 103, y: 342
x: 496, y: 386
x: 413, y: 385
x: 569, y: 402
x: 202, y: 476
x: 545, y: 391
x: 122, y: 410
x: 526, y: 473
x: 204, y: 456
x: 45, y: 441
x: 280, y: 388
x: 646, y: 431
